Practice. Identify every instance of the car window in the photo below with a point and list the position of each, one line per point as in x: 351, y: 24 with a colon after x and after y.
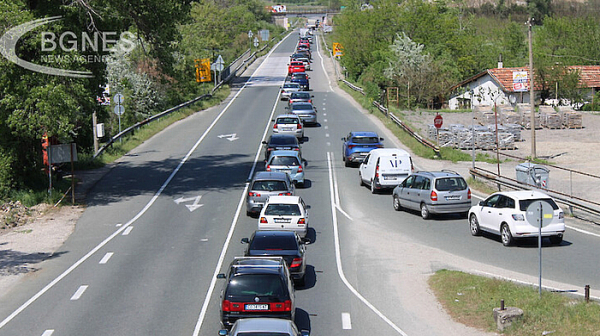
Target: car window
x: 255, y: 285
x: 288, y: 120
x: 365, y: 140
x: 302, y: 107
x: 283, y: 209
x: 426, y: 184
x: 418, y: 182
x: 408, y: 181
x: 523, y: 204
x: 302, y: 95
x: 492, y: 201
x: 269, y: 186
x: 283, y: 140
x: 287, y: 242
x: 284, y: 161
x: 450, y: 183
x: 291, y: 86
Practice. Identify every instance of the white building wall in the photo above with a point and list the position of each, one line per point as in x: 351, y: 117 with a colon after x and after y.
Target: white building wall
x: 484, y: 91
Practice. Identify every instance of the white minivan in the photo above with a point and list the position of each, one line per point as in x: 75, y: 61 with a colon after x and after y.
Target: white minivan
x: 385, y: 168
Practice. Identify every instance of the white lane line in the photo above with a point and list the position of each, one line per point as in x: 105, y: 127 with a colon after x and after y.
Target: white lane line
x: 328, y: 143
x: 324, y: 114
x: 106, y: 258
x: 127, y: 231
x: 323, y: 63
x: 233, y: 224
x: 48, y: 332
x: 346, y: 321
x: 131, y: 221
x: 79, y: 292
x: 327, y: 135
x: 326, y: 127
x: 119, y: 225
x: 324, y: 120
x: 338, y: 258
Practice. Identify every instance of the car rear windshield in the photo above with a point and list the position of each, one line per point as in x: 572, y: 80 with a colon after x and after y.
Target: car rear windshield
x: 284, y: 161
x: 287, y: 242
x: 302, y: 107
x: 299, y: 76
x: 253, y: 285
x: 365, y: 140
x: 450, y: 184
x: 523, y: 204
x: 287, y: 121
x: 283, y: 209
x: 301, y: 95
x: 261, y: 333
x: 269, y: 185
x: 283, y: 140
x: 291, y: 86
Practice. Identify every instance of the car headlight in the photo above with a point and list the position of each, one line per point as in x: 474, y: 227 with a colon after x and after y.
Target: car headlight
x: 518, y: 217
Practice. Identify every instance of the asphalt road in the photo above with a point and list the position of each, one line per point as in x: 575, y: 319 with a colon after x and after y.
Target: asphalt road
x: 171, y: 214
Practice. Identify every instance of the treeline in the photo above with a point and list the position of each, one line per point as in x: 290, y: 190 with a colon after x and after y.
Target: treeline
x: 152, y: 46
x: 426, y: 47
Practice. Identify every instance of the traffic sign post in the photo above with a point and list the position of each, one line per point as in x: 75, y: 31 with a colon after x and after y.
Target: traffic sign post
x: 438, y: 121
x: 540, y: 214
x: 119, y: 109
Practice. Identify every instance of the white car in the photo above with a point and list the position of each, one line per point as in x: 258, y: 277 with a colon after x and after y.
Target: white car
x: 288, y: 88
x: 288, y: 124
x: 284, y: 213
x: 504, y: 213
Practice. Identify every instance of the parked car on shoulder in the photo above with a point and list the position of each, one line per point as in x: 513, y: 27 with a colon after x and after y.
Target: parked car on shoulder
x: 265, y: 184
x: 357, y: 145
x: 384, y: 168
x: 505, y: 214
x: 284, y: 213
x: 434, y: 192
x: 256, y: 287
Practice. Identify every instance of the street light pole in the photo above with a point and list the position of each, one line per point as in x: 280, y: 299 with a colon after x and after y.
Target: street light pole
x: 531, y: 90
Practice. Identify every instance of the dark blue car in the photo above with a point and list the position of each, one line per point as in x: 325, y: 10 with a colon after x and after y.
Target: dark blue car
x: 302, y: 79
x: 357, y: 145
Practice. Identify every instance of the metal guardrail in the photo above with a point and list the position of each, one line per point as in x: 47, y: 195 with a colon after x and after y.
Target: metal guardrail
x: 571, y: 201
x: 243, y: 63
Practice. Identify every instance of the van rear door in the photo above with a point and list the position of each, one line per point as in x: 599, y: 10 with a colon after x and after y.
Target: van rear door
x: 394, y: 169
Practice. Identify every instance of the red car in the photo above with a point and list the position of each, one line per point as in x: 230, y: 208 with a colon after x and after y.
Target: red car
x: 296, y: 66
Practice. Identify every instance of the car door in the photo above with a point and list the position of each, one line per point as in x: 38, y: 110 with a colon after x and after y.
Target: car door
x: 489, y: 214
x: 364, y: 168
x: 405, y: 191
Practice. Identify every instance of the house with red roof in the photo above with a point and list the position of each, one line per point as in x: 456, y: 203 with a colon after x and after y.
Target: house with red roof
x: 504, y: 86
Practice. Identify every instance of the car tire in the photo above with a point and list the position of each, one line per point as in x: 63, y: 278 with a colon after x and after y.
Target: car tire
x: 556, y: 240
x: 347, y: 163
x: 396, y: 203
x: 506, y: 235
x: 425, y: 211
x: 373, y: 189
x: 474, y: 226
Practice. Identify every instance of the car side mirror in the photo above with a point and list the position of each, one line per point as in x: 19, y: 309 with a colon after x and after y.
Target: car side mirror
x: 221, y: 276
x: 287, y: 107
x: 248, y: 180
x: 245, y: 241
x: 224, y: 332
x: 312, y: 96
x: 273, y: 120
x: 481, y: 203
x: 381, y: 139
x: 304, y: 333
x: 343, y: 139
x: 308, y: 206
x: 264, y: 142
x: 304, y: 240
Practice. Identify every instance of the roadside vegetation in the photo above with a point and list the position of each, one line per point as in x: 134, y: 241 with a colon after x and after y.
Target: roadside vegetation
x: 470, y: 300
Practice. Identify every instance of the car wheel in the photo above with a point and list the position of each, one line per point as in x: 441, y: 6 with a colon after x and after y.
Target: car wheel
x: 347, y: 163
x: 474, y: 226
x: 396, y: 203
x: 373, y: 190
x: 507, y: 238
x: 362, y: 183
x: 425, y: 211
x: 556, y: 240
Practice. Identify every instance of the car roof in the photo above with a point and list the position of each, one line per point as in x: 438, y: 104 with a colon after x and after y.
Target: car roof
x: 439, y: 173
x: 284, y: 199
x: 291, y: 85
x: 287, y: 116
x: 302, y: 103
x: 276, y: 233
x: 285, y: 152
x: 364, y: 134
x: 265, y: 175
x: 388, y: 151
x: 524, y: 194
x: 264, y: 324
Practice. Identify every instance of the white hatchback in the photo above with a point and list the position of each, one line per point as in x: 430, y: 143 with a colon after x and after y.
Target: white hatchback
x: 505, y: 213
x: 284, y: 213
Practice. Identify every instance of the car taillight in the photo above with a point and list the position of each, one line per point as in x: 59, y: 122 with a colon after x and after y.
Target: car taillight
x: 518, y: 217
x: 268, y: 168
x: 226, y: 306
x: 433, y: 195
x: 263, y: 220
x: 297, y: 262
x: 302, y: 221
x: 252, y: 194
x: 287, y: 305
x: 469, y: 193
x: 379, y: 146
x: 285, y: 194
x: 299, y: 126
x: 310, y: 101
x: 351, y: 146
x: 377, y: 171
x: 274, y: 126
x: 300, y: 170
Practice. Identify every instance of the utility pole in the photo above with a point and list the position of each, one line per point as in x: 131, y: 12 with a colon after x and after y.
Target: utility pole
x: 95, y: 131
x: 531, y: 91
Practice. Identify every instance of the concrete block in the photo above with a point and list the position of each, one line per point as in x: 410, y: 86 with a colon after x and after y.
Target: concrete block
x: 504, y: 318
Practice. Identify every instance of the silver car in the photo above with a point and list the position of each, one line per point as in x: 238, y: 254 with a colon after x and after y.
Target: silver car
x: 264, y: 327
x: 433, y: 193
x: 288, y: 88
x: 289, y: 124
x: 287, y: 161
x: 306, y: 111
x: 265, y: 184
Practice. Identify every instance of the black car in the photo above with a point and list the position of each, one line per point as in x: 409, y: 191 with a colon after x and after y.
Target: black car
x: 280, y: 142
x: 257, y: 287
x: 286, y: 244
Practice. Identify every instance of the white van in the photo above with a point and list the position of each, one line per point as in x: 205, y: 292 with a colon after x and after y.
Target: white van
x: 385, y: 168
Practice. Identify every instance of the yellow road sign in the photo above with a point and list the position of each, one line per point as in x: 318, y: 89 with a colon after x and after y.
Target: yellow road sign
x: 203, y: 73
x: 338, y: 49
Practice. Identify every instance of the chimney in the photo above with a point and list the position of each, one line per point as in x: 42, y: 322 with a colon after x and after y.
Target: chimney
x: 500, y: 65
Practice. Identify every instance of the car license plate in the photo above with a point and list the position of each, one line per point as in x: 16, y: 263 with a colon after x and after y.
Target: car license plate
x: 453, y: 197
x: 389, y: 178
x: 288, y: 128
x: 284, y: 148
x: 256, y: 306
x: 282, y: 220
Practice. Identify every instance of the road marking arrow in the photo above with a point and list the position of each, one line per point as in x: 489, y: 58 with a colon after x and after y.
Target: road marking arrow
x: 230, y: 137
x: 192, y: 206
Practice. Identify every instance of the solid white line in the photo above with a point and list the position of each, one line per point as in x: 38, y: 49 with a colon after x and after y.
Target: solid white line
x: 233, y: 224
x: 343, y: 212
x: 346, y: 321
x: 323, y: 64
x: 338, y: 258
x: 327, y: 135
x: 48, y: 332
x: 106, y: 258
x: 582, y: 231
x: 123, y: 227
x: 127, y: 231
x: 79, y: 292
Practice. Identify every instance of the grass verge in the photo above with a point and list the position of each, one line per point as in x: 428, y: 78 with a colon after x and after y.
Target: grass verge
x: 470, y: 300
